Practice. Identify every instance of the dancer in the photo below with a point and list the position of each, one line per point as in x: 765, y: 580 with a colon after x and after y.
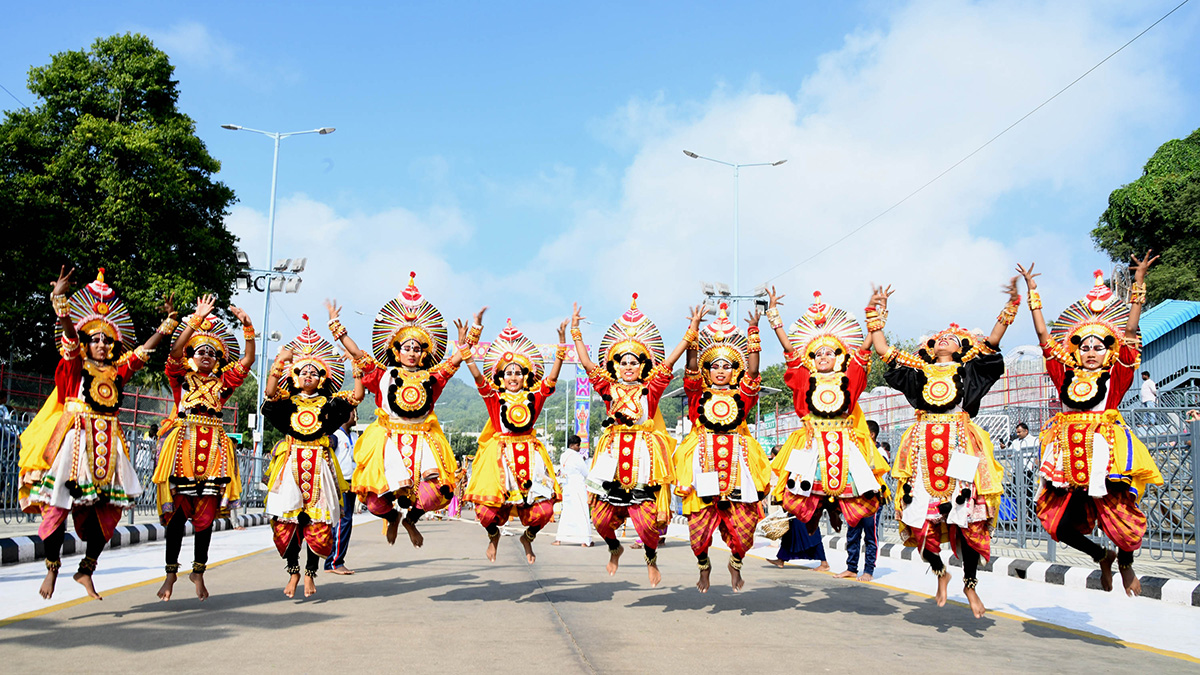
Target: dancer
x: 403, y: 459
x: 830, y: 463
x: 574, y: 524
x: 631, y: 470
x: 74, y: 459
x: 721, y: 471
x: 305, y: 483
x: 512, y: 471
x: 1093, y: 467
x: 949, y: 482
x: 197, y: 471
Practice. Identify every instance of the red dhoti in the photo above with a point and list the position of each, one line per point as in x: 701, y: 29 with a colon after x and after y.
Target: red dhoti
x: 736, y: 523
x: 536, y: 515
x: 1118, y: 515
x: 607, y: 518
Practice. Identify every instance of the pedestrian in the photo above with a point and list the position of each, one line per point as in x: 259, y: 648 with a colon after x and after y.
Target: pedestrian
x: 342, y: 442
x: 865, y: 530
x: 1149, y: 394
x: 574, y: 525
x: 799, y: 544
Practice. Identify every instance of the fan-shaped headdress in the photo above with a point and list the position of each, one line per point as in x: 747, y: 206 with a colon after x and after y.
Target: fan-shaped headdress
x: 409, y: 317
x: 1099, y: 314
x: 511, y: 346
x: 722, y: 340
x: 970, y: 343
x: 825, y: 326
x: 633, y: 333
x: 96, y: 307
x: 214, y: 332
x: 309, y: 348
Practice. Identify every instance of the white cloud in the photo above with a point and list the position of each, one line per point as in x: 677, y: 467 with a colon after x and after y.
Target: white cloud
x: 192, y: 43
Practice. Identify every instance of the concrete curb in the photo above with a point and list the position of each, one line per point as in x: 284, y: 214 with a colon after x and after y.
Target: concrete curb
x: 14, y: 550
x: 1180, y: 591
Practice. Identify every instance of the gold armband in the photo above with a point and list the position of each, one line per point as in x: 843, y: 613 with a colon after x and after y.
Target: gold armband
x: 337, y: 329
x: 773, y: 318
x: 473, y: 334
x: 691, y: 335
x: 576, y: 334
x: 1137, y: 293
x: 561, y: 353
x: 248, y: 331
x: 195, y: 321
x: 1035, y: 301
x: 59, y: 303
x: 1009, y: 313
x: 168, y: 326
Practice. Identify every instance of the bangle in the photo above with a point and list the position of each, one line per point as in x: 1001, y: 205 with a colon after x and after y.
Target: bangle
x: 474, y: 334
x: 59, y: 303
x: 691, y: 335
x: 752, y: 330
x: 277, y: 370
x: 337, y: 329
x: 1035, y: 301
x: 875, y: 321
x: 167, y: 327
x: 561, y: 353
x: 1137, y: 293
x: 773, y: 318
x: 465, y: 352
x: 194, y: 322
x: 248, y: 331
x: 576, y: 334
x: 1009, y: 313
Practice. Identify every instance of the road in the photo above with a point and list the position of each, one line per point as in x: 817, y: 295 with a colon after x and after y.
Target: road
x: 445, y: 608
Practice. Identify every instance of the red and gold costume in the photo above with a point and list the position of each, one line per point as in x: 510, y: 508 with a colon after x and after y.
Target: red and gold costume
x: 832, y: 457
x: 933, y: 505
x: 512, y: 471
x: 305, y: 484
x: 635, y: 441
x: 74, y: 458
x: 721, y: 471
x: 1094, y: 468
x: 403, y: 458
x: 197, y: 471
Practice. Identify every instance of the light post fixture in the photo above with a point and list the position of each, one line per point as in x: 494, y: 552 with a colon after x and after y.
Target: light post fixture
x: 275, y: 274
x: 737, y: 168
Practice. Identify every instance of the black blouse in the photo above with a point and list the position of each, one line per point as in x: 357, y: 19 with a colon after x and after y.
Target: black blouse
x: 974, y: 378
x: 334, y: 413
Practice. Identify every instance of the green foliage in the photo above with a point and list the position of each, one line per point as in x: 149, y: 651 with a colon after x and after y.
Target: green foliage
x: 1160, y: 211
x: 106, y: 172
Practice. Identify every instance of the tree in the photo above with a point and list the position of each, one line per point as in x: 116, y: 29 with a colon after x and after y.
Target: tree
x: 1160, y: 211
x: 105, y: 171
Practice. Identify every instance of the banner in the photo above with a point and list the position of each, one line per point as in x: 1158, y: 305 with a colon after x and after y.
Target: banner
x: 583, y: 404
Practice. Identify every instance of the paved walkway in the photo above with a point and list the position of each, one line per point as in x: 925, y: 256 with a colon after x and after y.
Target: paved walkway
x: 445, y: 607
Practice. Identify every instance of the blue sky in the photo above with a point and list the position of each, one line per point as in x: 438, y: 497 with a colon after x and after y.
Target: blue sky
x: 526, y: 155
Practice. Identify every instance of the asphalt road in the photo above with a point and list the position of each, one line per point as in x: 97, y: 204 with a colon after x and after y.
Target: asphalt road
x: 445, y: 608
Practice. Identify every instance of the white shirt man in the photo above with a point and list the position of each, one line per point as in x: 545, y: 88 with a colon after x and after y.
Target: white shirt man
x: 1149, y: 391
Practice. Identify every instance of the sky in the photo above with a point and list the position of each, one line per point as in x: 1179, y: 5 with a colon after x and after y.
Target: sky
x: 528, y: 155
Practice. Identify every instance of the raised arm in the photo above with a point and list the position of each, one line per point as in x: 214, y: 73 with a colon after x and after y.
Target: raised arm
x: 1007, y: 315
x: 773, y: 305
x: 340, y: 333
x: 168, y: 308
x: 204, y: 307
x: 277, y: 370
x: 59, y: 299
x: 470, y: 337
x: 755, y: 343
x: 1035, y: 302
x: 469, y: 359
x: 1138, y: 296
x: 560, y: 354
x: 876, y: 313
x: 359, y: 391
x: 577, y: 337
x: 247, y: 360
x: 695, y: 316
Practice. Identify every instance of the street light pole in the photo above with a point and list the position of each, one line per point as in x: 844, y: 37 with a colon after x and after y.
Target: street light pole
x: 737, y: 170
x: 266, y: 323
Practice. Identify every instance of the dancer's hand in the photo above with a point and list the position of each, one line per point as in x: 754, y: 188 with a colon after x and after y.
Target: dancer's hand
x: 879, y: 296
x: 1029, y: 275
x: 63, y: 284
x: 1011, y: 288
x: 575, y: 317
x: 205, y: 304
x: 562, y: 332
x: 462, y: 331
x: 479, y: 316
x: 332, y: 307
x: 753, y: 317
x: 168, y: 306
x: 696, y: 315
x: 773, y: 299
x: 241, y: 315
x: 1140, y: 266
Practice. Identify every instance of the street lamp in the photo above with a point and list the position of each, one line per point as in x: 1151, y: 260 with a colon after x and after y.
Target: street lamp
x: 737, y: 167
x: 294, y: 284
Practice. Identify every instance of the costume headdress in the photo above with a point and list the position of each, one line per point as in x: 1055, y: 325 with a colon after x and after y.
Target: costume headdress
x: 632, y: 333
x: 409, y: 317
x: 511, y: 346
x: 825, y: 326
x: 1099, y: 314
x: 96, y: 307
x: 214, y: 332
x: 970, y: 343
x: 309, y: 348
x: 721, y: 340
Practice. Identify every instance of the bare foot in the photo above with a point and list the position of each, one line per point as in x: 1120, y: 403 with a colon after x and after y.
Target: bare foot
x: 655, y: 575
x: 341, y: 569
x: 1133, y: 585
x: 556, y: 543
x: 201, y: 589
x: 1106, y: 575
x: 391, y: 528
x: 164, y: 591
x: 413, y: 535
x: 845, y: 575
x: 493, y: 542
x: 613, y: 557
x: 290, y: 589
x: 977, y: 607
x: 866, y: 577
x: 528, y: 545
x: 943, y: 584
x: 47, y: 588
x: 635, y: 545
x: 823, y: 567
x: 777, y: 562
x: 85, y: 580
x: 310, y: 586
x: 702, y: 585
x: 735, y: 578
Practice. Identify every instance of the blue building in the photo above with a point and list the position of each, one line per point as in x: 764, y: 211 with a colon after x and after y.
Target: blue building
x: 1170, y: 350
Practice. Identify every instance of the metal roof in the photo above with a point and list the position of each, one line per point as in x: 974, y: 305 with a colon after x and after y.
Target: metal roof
x: 1165, y: 317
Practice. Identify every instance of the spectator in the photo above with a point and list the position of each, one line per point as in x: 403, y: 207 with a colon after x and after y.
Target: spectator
x: 342, y: 441
x: 1149, y: 393
x: 574, y: 525
x: 865, y: 529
